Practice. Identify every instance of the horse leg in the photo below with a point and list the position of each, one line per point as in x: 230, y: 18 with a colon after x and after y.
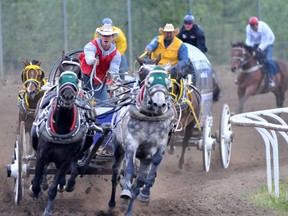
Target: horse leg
x: 170, y: 143
x: 118, y: 154
x: 187, y: 135
x: 44, y: 182
x: 244, y: 94
x: 35, y: 188
x: 34, y: 138
x: 138, y: 183
x: 280, y: 96
x: 70, y: 186
x: 128, y: 172
x: 144, y: 195
x: 52, y: 192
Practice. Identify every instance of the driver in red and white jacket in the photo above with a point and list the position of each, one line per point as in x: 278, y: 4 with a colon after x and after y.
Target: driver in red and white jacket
x: 102, y: 52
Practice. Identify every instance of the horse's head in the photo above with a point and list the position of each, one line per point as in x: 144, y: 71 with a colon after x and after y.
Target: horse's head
x: 241, y: 56
x: 146, y: 65
x: 70, y: 64
x: 68, y: 89
x: 157, y: 84
x: 32, y: 77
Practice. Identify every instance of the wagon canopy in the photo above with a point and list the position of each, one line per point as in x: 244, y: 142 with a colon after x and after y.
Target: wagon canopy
x: 202, y: 66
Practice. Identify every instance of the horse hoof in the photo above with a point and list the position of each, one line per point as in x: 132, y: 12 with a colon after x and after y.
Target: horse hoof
x: 47, y: 213
x: 125, y: 194
x: 143, y: 197
x: 171, y: 150
x: 32, y: 194
x: 69, y: 189
x: 60, y: 189
x: 44, y: 186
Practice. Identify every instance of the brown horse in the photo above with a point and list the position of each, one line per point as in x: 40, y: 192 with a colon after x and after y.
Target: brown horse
x: 32, y: 77
x: 187, y: 105
x: 251, y: 80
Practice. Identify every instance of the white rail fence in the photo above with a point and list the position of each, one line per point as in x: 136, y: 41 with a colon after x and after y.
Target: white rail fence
x: 267, y: 123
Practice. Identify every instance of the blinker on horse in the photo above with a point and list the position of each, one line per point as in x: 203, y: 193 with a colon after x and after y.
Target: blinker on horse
x: 142, y: 134
x: 251, y: 76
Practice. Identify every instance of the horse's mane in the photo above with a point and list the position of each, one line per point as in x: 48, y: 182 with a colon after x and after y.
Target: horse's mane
x: 244, y: 45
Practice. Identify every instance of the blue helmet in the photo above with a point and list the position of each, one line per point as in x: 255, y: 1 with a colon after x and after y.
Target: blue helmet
x: 189, y: 18
x: 107, y: 21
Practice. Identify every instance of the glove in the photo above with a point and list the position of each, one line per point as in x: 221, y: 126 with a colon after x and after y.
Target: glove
x: 148, y: 54
x: 259, y: 54
x: 92, y: 60
x: 113, y: 76
x: 174, y: 72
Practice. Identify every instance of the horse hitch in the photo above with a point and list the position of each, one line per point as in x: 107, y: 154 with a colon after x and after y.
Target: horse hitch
x: 94, y: 127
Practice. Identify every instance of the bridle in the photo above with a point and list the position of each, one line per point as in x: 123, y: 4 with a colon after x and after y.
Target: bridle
x: 37, y: 80
x: 243, y: 59
x: 65, y: 101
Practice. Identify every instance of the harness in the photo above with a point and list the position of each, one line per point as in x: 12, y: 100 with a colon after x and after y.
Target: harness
x: 184, y: 98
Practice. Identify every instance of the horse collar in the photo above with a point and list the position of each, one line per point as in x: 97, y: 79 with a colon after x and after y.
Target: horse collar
x: 143, y: 114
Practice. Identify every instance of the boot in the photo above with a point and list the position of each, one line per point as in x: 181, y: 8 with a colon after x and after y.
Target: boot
x: 271, y: 83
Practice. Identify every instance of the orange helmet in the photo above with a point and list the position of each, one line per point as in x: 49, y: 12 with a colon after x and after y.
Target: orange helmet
x: 253, y: 21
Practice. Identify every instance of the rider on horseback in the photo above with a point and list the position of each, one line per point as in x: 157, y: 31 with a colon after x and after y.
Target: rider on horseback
x: 260, y: 36
x: 172, y: 50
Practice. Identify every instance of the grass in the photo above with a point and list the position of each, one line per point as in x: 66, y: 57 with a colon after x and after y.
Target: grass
x: 264, y: 200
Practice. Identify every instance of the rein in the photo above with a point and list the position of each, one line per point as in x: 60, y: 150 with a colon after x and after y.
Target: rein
x: 186, y: 96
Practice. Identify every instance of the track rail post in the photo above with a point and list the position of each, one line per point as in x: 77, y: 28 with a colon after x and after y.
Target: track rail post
x: 267, y: 123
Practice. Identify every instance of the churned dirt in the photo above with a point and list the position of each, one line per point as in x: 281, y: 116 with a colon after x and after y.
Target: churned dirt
x: 190, y: 191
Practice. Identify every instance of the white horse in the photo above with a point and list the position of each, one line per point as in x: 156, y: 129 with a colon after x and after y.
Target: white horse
x: 143, y: 134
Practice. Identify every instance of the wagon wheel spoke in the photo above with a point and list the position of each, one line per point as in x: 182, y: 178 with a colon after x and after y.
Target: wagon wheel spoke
x: 226, y: 136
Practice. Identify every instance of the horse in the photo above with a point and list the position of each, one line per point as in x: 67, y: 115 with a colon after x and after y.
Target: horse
x: 32, y: 77
x: 252, y: 80
x: 187, y: 103
x: 143, y: 134
x: 59, y: 135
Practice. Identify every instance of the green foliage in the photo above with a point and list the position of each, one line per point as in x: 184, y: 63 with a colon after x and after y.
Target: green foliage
x: 34, y: 28
x: 263, y: 200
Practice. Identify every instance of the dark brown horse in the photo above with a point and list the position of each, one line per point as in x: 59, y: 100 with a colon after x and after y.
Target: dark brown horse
x: 32, y: 77
x: 251, y: 80
x: 187, y: 104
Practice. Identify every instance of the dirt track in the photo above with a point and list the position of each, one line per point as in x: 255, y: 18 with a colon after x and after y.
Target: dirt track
x: 190, y: 191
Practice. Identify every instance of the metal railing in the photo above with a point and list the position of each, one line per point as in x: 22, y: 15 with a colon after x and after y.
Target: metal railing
x: 267, y: 123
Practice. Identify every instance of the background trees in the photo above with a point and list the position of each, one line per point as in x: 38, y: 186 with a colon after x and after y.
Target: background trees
x: 33, y: 29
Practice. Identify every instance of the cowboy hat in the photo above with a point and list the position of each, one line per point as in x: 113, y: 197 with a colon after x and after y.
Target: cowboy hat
x: 169, y: 28
x: 107, y: 29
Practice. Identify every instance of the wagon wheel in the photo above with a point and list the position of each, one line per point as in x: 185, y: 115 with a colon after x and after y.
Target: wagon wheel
x: 18, y: 162
x: 208, y: 143
x: 55, y: 66
x: 226, y: 136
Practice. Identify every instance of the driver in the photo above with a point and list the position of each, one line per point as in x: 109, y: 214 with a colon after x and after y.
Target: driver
x: 171, y: 48
x: 103, y: 54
